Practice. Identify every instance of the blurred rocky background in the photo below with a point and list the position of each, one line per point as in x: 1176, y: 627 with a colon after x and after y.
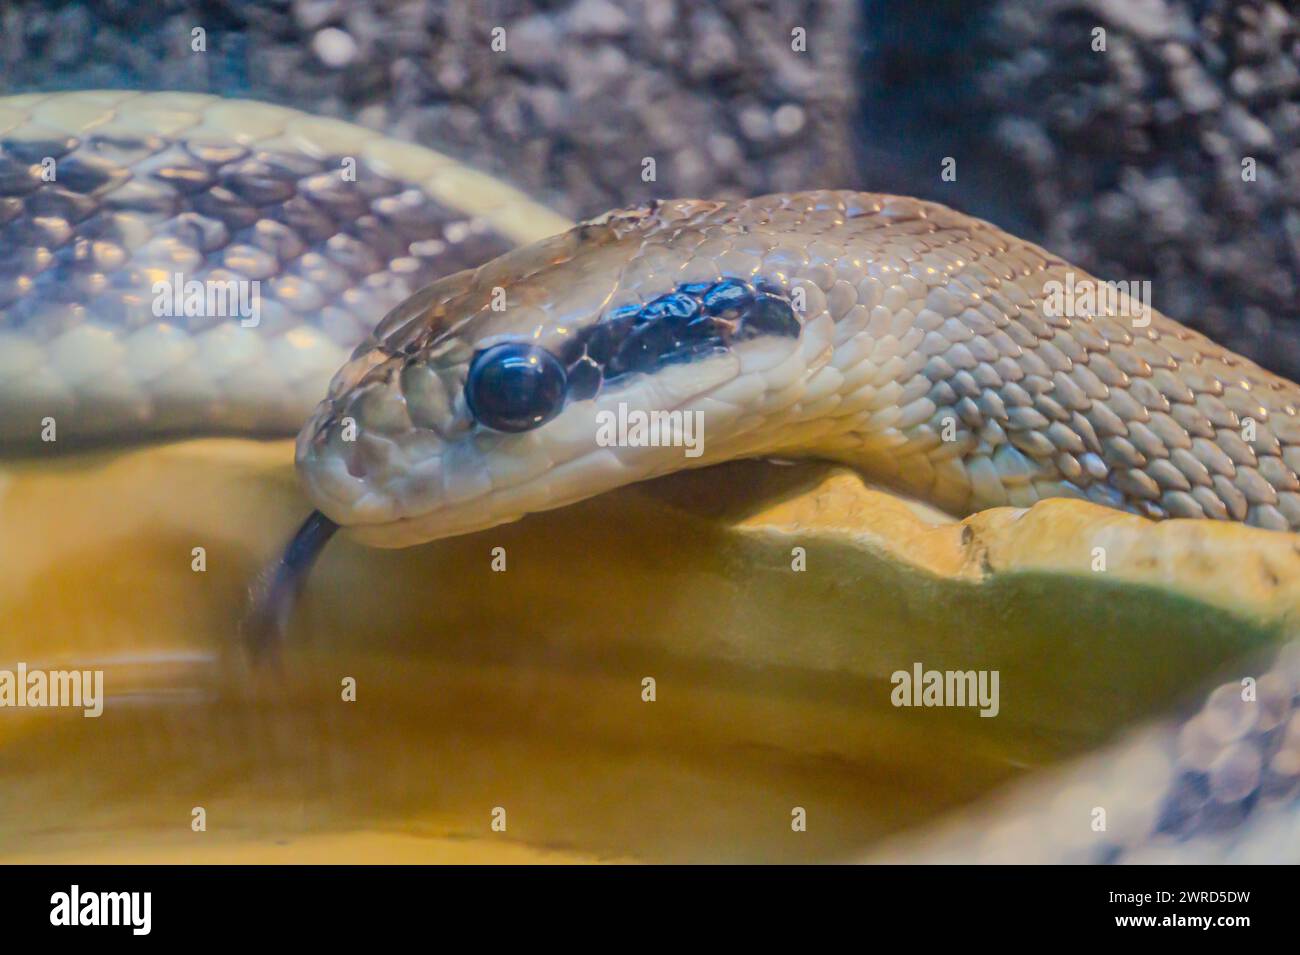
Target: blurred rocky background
x: 1127, y: 160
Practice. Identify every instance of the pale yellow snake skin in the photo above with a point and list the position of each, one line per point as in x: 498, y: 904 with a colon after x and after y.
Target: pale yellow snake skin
x: 917, y: 320
x: 922, y: 354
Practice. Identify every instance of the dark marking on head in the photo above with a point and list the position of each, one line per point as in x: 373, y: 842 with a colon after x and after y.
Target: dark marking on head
x: 693, y: 320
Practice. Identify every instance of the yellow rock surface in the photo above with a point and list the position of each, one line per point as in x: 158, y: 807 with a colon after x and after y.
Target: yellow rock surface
x: 479, y: 691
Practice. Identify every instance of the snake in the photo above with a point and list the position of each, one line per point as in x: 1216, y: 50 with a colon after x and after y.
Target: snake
x: 453, y: 356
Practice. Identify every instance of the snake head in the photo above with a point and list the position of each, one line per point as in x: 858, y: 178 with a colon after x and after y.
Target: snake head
x: 649, y: 340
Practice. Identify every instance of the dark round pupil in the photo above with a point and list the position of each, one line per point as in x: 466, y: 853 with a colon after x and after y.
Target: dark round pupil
x: 515, y: 387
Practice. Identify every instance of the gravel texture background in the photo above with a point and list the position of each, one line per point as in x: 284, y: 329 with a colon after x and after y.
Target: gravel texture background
x: 1127, y: 161
x: 1132, y: 158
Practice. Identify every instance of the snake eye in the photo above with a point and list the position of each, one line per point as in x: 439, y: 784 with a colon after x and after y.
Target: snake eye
x: 515, y: 387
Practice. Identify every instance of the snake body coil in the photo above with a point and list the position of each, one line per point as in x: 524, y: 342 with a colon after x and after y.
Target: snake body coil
x: 112, y: 203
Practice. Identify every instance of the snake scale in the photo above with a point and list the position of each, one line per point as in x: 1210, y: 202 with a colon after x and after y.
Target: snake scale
x: 913, y: 342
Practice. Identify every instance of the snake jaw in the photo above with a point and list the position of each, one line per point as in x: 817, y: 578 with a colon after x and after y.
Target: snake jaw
x: 399, y: 490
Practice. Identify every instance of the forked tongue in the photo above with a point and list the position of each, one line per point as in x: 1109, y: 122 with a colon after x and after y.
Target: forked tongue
x: 275, y: 593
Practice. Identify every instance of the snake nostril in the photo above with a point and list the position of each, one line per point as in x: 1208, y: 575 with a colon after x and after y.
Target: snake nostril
x: 355, y: 461
x: 334, y: 437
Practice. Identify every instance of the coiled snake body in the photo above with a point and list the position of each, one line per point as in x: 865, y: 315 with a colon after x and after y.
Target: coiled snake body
x: 916, y: 343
